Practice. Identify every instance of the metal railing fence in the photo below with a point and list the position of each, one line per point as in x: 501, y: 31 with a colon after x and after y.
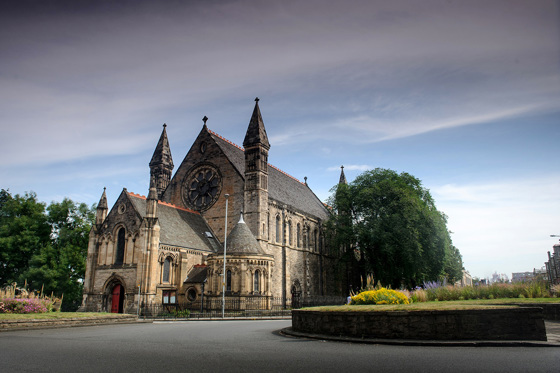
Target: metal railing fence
x: 236, y: 307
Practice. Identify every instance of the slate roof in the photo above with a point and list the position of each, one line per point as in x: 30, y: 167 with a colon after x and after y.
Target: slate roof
x: 242, y: 241
x: 179, y: 227
x: 281, y: 186
x: 197, y: 275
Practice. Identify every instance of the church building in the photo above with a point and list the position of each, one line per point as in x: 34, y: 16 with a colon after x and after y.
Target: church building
x: 168, y: 247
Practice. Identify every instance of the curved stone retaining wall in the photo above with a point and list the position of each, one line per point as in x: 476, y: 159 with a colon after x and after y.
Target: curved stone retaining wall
x: 551, y: 311
x: 524, y: 323
x: 20, y: 324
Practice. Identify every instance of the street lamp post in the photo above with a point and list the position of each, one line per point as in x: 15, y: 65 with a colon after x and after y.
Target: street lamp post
x: 224, y: 278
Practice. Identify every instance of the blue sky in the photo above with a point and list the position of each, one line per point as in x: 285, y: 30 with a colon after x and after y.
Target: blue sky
x: 463, y: 95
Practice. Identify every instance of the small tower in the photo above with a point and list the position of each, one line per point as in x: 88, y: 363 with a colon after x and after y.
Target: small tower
x: 161, y: 165
x: 256, y: 174
x: 248, y: 267
x: 102, y: 209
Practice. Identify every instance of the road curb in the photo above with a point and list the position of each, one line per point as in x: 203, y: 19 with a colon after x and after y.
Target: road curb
x: 431, y: 343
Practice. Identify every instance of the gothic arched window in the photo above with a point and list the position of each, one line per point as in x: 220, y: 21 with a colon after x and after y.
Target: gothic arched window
x: 290, y: 233
x: 228, y: 280
x: 278, y: 234
x: 298, y: 236
x: 256, y: 276
x: 166, y: 269
x: 120, y: 247
x: 316, y: 240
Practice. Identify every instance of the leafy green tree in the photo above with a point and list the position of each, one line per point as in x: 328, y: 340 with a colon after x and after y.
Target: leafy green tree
x: 387, y: 225
x: 60, y: 265
x: 453, y: 269
x: 23, y: 232
x: 45, y: 247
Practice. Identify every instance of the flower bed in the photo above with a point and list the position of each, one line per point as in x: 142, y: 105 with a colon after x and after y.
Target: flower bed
x: 381, y: 296
x: 25, y: 305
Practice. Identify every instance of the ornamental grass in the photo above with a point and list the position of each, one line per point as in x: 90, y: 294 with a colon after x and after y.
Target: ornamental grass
x: 437, y: 292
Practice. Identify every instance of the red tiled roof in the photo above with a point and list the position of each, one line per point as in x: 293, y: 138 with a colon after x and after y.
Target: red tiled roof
x: 165, y: 204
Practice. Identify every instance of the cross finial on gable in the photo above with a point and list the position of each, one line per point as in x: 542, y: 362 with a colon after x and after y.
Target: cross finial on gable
x: 164, y: 125
x: 256, y: 99
x: 205, y: 119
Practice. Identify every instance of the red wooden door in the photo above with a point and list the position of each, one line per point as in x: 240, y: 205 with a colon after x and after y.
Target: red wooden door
x: 116, y: 298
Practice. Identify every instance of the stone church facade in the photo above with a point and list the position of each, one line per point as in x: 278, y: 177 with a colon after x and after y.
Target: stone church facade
x: 167, y: 248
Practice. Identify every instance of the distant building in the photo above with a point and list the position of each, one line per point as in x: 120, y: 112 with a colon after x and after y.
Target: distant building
x: 536, y: 274
x: 521, y: 276
x: 466, y: 280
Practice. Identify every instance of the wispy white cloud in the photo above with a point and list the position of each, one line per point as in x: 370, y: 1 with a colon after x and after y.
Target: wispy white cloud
x: 502, y: 225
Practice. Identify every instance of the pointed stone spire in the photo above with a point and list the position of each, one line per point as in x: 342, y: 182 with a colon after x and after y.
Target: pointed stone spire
x: 161, y: 164
x: 151, y: 201
x: 342, y: 179
x: 102, y: 208
x: 256, y: 133
x: 162, y: 154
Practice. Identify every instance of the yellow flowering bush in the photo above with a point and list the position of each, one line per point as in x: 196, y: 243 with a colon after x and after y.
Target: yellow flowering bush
x: 381, y: 296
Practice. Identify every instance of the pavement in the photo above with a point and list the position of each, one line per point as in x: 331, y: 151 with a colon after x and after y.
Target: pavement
x: 244, y: 346
x: 552, y: 331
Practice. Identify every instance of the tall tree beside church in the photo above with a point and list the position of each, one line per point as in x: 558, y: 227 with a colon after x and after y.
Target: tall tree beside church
x: 23, y: 232
x: 59, y: 267
x: 389, y: 225
x: 45, y: 247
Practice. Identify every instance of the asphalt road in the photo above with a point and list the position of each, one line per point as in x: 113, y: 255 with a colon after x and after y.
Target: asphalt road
x: 241, y: 346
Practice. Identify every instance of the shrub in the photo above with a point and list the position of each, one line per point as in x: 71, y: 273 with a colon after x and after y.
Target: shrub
x: 182, y: 313
x: 381, y: 296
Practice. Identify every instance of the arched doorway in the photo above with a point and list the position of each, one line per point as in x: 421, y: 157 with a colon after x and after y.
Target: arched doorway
x: 117, y: 299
